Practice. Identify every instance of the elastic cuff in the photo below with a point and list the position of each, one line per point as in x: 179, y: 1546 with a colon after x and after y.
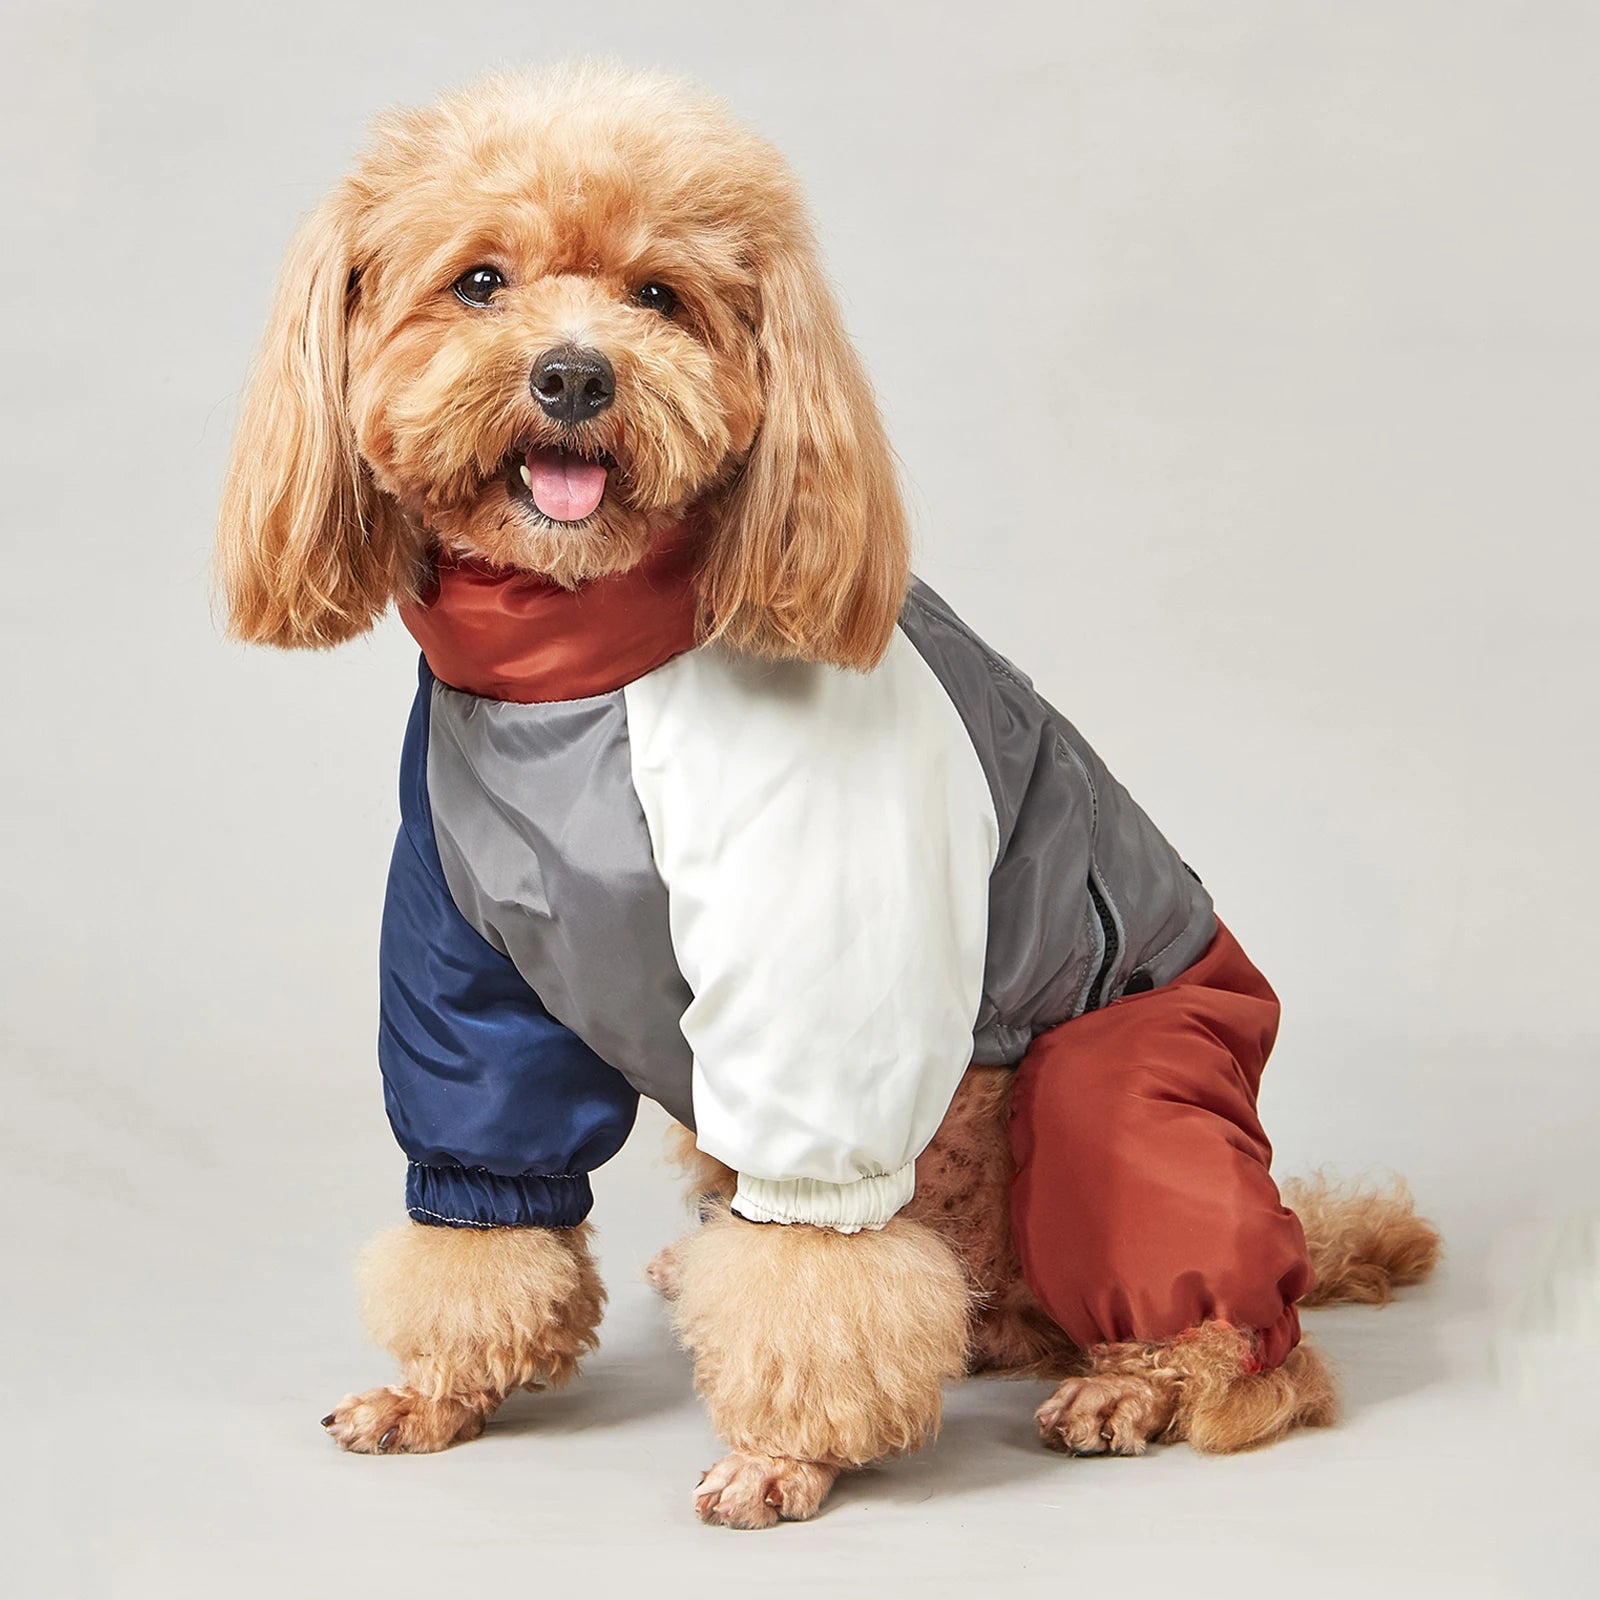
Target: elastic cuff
x: 845, y: 1207
x: 1274, y: 1343
x: 471, y: 1197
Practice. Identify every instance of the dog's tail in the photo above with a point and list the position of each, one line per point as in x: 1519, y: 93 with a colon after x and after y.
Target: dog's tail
x: 1363, y: 1243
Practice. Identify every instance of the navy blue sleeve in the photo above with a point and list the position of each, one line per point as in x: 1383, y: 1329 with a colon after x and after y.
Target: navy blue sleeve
x: 502, y: 1111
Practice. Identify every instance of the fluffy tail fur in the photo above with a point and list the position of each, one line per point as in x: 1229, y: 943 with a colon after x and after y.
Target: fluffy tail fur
x: 1364, y: 1243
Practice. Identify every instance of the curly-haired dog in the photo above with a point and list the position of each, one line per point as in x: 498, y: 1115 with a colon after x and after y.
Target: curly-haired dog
x: 703, y: 797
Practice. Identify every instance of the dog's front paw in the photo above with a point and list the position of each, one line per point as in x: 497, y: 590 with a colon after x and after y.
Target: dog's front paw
x: 751, y: 1491
x: 1119, y: 1413
x: 397, y: 1421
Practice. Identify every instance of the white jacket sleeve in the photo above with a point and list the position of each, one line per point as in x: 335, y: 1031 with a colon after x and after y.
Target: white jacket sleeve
x: 826, y: 839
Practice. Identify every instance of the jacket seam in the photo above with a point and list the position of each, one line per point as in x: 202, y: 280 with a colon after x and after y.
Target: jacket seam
x: 489, y: 1172
x: 997, y: 666
x: 575, y: 700
x: 1150, y: 961
x: 472, y: 1222
x: 443, y: 882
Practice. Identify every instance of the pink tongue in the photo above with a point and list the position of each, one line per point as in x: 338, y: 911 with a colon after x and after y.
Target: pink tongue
x: 565, y: 487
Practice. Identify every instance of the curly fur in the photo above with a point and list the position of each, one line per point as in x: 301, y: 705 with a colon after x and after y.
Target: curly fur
x: 466, y: 1309
x: 383, y: 411
x: 705, y: 1178
x: 963, y: 1179
x: 1205, y: 1386
x: 821, y: 1346
x: 470, y: 1315
x: 1363, y: 1243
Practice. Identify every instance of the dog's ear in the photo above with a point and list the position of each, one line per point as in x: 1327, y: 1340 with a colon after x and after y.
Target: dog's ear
x: 811, y: 555
x: 307, y: 553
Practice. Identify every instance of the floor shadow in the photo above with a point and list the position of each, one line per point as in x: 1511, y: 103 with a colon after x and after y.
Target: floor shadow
x: 638, y: 1372
x: 987, y: 1441
x: 1382, y: 1353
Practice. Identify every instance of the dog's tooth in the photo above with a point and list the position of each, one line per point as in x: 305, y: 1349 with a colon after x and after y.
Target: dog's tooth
x: 527, y: 477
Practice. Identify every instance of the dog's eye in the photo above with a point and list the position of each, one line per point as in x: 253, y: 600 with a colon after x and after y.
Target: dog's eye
x: 477, y: 285
x: 656, y: 297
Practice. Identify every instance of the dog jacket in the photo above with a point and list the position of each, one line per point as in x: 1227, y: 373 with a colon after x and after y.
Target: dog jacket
x: 789, y: 902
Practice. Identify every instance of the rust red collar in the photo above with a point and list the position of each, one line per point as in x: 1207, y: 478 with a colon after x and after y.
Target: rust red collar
x: 510, y: 635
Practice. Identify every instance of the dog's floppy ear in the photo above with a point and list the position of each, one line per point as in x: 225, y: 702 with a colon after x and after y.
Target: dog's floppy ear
x: 811, y: 555
x: 307, y: 554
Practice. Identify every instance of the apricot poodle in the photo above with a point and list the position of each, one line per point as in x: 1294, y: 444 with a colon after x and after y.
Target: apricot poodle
x: 704, y: 797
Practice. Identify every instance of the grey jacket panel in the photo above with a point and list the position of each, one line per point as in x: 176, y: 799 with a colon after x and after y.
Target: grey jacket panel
x: 545, y: 851
x: 1165, y: 911
x: 1044, y: 937
x: 1085, y: 892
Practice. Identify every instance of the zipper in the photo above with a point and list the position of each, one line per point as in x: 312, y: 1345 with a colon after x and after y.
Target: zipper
x: 1108, y: 936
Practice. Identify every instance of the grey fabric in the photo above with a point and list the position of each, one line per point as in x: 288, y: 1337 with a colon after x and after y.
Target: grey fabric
x: 1064, y: 822
x: 546, y: 854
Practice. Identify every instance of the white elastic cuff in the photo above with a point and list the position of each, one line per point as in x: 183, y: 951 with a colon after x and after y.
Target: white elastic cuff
x: 844, y: 1207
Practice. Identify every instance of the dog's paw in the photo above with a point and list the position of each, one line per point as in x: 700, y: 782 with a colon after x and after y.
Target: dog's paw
x: 750, y: 1491
x: 1115, y: 1413
x: 398, y: 1421
x: 662, y: 1272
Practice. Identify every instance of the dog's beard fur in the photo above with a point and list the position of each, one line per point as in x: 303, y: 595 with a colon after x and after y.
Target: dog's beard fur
x: 445, y: 415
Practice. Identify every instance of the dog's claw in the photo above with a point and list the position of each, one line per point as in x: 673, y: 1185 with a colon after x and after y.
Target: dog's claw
x: 399, y: 1421
x: 756, y: 1491
x: 1106, y: 1414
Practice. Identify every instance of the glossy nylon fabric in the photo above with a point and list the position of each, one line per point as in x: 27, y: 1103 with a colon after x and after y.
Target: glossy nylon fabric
x: 1143, y: 1202
x: 544, y: 857
x: 517, y: 637
x: 472, y: 1062
x: 826, y: 839
x: 1063, y: 820
x: 544, y: 847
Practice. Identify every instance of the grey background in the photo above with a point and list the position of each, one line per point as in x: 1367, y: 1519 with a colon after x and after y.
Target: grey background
x: 1284, y: 487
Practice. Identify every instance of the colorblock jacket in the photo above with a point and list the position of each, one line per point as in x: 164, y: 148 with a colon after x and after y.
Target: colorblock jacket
x: 789, y: 902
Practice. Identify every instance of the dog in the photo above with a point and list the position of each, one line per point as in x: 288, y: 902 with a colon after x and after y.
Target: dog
x: 704, y: 797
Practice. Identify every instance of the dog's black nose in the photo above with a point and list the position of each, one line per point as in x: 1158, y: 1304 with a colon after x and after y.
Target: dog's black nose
x: 572, y: 385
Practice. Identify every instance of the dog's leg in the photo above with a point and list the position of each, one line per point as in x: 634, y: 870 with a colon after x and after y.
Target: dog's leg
x: 709, y: 1186
x: 1205, y: 1386
x: 815, y: 1351
x: 963, y: 1194
x: 740, y: 1490
x: 470, y: 1314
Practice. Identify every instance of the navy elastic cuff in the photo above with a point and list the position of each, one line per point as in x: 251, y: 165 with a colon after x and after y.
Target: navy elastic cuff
x: 470, y: 1197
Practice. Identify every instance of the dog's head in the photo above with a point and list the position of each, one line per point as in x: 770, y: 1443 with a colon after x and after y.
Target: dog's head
x: 542, y: 320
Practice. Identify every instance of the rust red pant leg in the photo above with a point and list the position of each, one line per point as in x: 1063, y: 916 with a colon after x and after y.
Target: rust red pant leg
x: 1143, y: 1201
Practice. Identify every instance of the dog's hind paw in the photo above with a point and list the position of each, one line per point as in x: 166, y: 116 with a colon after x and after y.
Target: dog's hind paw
x: 751, y: 1491
x: 1107, y: 1413
x: 399, y: 1421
